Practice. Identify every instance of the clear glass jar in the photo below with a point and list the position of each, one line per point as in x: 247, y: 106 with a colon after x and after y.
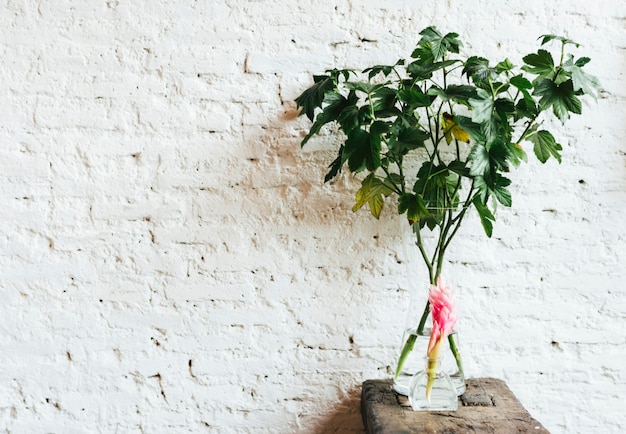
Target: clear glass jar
x: 414, y: 361
x: 442, y: 395
x: 417, y: 285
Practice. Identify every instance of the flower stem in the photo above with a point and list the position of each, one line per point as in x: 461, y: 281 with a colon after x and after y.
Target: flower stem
x: 455, y: 352
x: 422, y: 323
x: 431, y: 372
x: 404, y: 354
x: 420, y: 246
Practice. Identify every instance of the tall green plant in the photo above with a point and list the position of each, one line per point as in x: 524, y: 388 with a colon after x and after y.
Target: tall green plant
x: 464, y: 118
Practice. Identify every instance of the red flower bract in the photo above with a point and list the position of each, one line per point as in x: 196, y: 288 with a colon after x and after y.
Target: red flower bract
x: 444, y: 313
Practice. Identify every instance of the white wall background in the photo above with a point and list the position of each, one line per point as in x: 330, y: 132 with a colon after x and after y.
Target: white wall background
x: 170, y: 261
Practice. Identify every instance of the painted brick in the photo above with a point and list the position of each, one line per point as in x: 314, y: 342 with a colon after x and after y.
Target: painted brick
x: 172, y: 261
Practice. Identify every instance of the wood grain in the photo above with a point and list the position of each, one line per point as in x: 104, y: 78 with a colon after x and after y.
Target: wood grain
x: 487, y: 406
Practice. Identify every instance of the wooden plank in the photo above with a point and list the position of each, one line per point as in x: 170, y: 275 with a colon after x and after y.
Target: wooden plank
x: 488, y: 406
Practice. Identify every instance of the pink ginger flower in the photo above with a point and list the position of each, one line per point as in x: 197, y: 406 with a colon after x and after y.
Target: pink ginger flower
x: 444, y: 314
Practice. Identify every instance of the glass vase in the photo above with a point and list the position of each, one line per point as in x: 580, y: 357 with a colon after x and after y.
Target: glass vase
x: 417, y: 284
x: 442, y: 395
x: 414, y: 361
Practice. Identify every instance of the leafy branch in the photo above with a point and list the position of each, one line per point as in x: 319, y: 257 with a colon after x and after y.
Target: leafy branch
x: 460, y: 115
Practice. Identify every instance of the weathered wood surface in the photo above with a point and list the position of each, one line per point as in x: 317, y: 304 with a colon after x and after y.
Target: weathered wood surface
x: 488, y: 407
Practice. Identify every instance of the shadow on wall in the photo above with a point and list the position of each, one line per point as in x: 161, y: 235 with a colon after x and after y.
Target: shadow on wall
x: 279, y: 173
x: 286, y: 205
x: 345, y: 416
x: 297, y: 202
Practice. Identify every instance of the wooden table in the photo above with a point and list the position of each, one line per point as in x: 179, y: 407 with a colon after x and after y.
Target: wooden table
x: 487, y: 406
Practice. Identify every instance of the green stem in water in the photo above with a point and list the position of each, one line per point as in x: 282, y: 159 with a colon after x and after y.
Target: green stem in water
x: 455, y: 352
x: 404, y: 354
x: 410, y: 341
x: 431, y: 372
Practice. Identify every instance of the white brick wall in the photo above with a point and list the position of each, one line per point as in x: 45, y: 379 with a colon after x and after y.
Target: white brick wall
x: 171, y: 262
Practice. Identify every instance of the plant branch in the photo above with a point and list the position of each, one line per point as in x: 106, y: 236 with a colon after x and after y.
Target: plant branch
x: 458, y: 219
x: 529, y: 124
x: 397, y: 189
x: 420, y: 246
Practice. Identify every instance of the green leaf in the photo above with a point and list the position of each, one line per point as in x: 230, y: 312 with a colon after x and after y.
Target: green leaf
x: 582, y: 61
x: 349, y: 118
x: 385, y: 69
x: 459, y: 167
x: 564, y: 41
x: 489, y: 128
x: 423, y: 54
x: 460, y: 93
x: 540, y: 64
x: 520, y: 82
x: 483, y: 190
x: 504, y: 106
x: 430, y: 177
x: 414, y: 206
x: 440, y: 45
x: 486, y: 161
x: 395, y: 179
x: 582, y: 81
x: 362, y: 86
x: 496, y: 186
x: 500, y: 192
x: 409, y: 138
x: 436, y: 91
x: 504, y: 66
x: 477, y: 68
x: 379, y: 128
x: 365, y: 116
x: 517, y: 154
x: 356, y: 149
x: 372, y: 158
x: 545, y: 145
x: 373, y: 192
x: 486, y: 216
x: 423, y: 71
x: 482, y: 106
x: 362, y: 150
x: 335, y: 166
x: 414, y: 97
x: 526, y: 108
x: 455, y: 92
x: 498, y: 155
x: 335, y: 103
x: 560, y: 97
x: 313, y: 97
x: 436, y: 185
x: 479, y: 158
x: 383, y: 102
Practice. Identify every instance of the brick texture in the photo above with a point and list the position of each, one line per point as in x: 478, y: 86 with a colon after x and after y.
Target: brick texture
x: 172, y: 262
